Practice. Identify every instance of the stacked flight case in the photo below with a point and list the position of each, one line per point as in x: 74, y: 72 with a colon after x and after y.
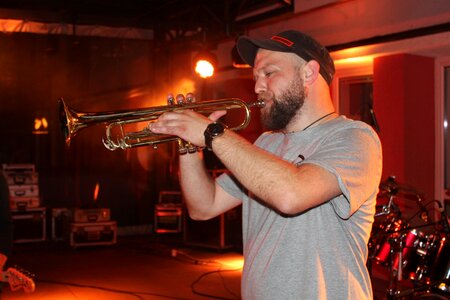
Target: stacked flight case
x: 168, y: 212
x: 92, y: 227
x: 28, y: 216
x: 60, y: 222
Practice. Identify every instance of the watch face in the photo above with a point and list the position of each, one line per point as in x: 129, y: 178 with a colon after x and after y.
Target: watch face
x: 215, y: 129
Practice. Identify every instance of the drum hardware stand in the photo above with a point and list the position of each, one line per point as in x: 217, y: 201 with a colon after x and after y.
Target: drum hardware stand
x: 397, y: 246
x: 396, y: 274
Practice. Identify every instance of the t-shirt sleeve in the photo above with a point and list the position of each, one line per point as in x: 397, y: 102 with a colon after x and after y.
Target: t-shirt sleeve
x: 230, y: 185
x: 354, y: 156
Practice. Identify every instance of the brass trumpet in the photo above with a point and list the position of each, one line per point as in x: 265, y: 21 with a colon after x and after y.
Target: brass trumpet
x: 73, y: 121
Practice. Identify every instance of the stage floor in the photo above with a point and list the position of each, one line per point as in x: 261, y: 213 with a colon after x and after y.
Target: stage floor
x: 137, y: 267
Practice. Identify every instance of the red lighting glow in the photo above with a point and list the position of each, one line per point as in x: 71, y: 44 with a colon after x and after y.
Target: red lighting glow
x: 96, y: 191
x: 40, y: 126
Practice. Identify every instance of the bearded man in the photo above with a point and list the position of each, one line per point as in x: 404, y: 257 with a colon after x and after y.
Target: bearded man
x: 307, y: 186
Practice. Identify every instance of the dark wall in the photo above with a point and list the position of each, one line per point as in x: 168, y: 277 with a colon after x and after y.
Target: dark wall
x: 92, y: 74
x: 404, y: 101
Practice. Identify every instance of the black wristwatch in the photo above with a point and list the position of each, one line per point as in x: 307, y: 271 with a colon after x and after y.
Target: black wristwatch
x: 213, y: 130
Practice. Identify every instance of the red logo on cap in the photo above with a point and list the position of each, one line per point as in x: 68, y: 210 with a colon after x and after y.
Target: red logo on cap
x: 282, y: 40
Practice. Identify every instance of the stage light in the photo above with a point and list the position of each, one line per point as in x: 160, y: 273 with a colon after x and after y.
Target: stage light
x: 204, y: 68
x: 205, y: 63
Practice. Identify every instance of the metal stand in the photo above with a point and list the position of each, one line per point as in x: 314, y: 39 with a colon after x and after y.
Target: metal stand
x: 396, y: 250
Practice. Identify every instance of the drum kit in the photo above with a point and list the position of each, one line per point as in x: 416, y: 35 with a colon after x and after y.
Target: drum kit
x: 417, y: 254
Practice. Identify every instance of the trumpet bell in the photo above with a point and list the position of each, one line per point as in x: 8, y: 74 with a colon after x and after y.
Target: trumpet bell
x: 69, y: 121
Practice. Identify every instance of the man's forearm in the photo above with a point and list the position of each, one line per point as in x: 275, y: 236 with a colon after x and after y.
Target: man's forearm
x: 280, y: 184
x: 197, y: 185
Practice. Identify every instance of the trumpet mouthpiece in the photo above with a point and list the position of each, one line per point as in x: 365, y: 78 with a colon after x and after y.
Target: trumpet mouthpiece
x: 259, y: 103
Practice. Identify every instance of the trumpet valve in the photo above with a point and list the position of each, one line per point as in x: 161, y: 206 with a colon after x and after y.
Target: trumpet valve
x: 190, y: 98
x: 180, y: 99
x: 170, y: 99
x: 182, y: 149
x: 191, y: 148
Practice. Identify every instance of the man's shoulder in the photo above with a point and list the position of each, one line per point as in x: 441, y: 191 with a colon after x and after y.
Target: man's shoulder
x: 344, y: 123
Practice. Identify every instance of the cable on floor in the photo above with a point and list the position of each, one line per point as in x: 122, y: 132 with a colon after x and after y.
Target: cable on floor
x: 223, y: 282
x: 183, y: 255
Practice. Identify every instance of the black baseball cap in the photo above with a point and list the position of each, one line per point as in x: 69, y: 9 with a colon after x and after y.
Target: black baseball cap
x: 289, y: 41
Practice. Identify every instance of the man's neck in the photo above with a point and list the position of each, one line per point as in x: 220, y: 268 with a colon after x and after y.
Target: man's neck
x: 309, y: 117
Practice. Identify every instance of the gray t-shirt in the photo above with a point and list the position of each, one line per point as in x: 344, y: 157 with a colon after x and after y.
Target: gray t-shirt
x: 320, y: 253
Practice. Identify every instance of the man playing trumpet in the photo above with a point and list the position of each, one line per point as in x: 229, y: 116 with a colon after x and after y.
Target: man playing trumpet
x: 307, y: 186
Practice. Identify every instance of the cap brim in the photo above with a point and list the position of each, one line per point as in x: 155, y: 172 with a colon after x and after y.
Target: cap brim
x: 247, y: 48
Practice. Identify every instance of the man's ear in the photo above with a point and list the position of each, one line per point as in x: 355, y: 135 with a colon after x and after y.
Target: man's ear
x: 311, y: 71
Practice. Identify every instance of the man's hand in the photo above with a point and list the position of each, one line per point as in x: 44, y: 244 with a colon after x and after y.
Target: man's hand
x: 186, y: 124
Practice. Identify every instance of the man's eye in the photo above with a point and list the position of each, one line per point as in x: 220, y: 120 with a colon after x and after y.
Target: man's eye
x: 268, y: 74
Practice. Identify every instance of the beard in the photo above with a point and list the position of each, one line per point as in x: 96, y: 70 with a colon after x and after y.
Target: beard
x: 285, y: 107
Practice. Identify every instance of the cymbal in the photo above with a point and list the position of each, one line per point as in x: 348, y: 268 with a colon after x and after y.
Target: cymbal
x: 392, y: 187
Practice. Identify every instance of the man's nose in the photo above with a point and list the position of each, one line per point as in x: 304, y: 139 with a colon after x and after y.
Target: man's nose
x: 260, y: 86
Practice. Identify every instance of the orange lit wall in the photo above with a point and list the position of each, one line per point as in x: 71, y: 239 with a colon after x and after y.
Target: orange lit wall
x: 404, y: 104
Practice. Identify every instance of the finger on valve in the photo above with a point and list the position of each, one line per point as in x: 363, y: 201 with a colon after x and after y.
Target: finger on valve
x: 190, y: 98
x: 184, y: 146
